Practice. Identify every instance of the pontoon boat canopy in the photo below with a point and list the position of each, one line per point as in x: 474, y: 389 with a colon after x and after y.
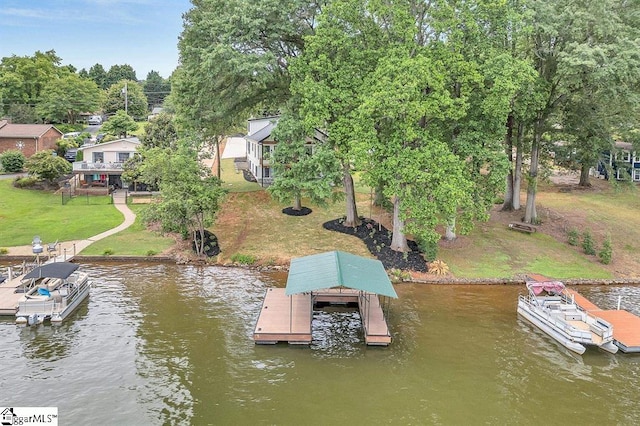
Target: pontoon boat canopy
x: 337, y: 268
x: 52, y: 270
x: 548, y: 286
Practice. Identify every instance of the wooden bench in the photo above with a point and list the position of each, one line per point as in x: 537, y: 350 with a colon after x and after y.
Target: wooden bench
x: 522, y: 227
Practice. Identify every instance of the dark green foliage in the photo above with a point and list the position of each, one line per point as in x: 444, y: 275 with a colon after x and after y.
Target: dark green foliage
x: 606, y: 251
x: 12, y: 161
x: 573, y: 237
x: 46, y: 166
x: 587, y: 243
x: 429, y: 249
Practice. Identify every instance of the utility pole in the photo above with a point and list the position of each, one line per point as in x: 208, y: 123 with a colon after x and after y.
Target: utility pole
x: 126, y: 99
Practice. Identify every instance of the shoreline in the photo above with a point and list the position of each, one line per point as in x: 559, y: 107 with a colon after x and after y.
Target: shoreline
x: 436, y: 280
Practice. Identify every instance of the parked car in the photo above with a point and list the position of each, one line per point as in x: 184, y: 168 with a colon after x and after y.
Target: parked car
x: 70, y: 155
x: 94, y: 120
x: 71, y: 135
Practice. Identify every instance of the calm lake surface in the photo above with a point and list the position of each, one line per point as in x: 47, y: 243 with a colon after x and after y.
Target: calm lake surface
x: 167, y: 344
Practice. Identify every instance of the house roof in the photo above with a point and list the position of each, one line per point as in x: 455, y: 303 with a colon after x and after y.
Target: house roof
x: 335, y: 269
x: 131, y: 140
x: 262, y: 134
x: 10, y: 130
x: 624, y: 145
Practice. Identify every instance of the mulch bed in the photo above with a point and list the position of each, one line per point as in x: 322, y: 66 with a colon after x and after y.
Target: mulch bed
x: 302, y: 212
x: 211, y: 247
x: 378, y: 241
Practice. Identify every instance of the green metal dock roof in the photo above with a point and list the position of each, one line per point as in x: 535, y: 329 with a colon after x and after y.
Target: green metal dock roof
x: 337, y: 268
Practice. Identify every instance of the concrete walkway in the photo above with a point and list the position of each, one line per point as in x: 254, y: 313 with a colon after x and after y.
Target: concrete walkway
x: 67, y: 249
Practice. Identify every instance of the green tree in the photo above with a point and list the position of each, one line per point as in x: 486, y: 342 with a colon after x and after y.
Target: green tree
x: 99, y: 76
x: 120, y: 124
x: 23, y: 114
x: 329, y: 77
x: 578, y: 48
x: 22, y: 78
x: 126, y: 95
x: 190, y: 196
x: 47, y: 166
x: 64, y: 98
x: 156, y: 89
x: 302, y: 165
x: 118, y: 73
x: 160, y: 132
x: 235, y: 56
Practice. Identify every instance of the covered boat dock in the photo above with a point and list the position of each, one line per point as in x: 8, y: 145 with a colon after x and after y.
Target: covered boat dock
x: 333, y: 277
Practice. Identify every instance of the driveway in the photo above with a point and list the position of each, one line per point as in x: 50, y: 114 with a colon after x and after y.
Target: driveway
x: 12, y: 175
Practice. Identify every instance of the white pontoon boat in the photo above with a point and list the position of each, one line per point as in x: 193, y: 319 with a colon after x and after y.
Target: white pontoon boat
x: 548, y: 308
x: 52, y: 292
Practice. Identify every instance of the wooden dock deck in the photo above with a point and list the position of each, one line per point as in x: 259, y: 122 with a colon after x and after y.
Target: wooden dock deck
x: 284, y: 318
x: 626, y: 326
x: 288, y: 318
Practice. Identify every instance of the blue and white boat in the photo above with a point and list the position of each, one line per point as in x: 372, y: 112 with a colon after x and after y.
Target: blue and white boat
x: 52, y: 292
x: 548, y: 308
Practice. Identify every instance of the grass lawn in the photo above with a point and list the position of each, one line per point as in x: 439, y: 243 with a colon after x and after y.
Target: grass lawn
x: 133, y: 241
x: 25, y: 213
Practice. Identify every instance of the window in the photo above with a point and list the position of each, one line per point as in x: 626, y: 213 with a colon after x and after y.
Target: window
x: 266, y: 151
x: 636, y: 175
x: 626, y: 156
x: 123, y: 156
x: 267, y: 172
x: 98, y: 157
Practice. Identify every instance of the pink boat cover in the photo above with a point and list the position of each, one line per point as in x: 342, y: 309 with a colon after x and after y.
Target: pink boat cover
x: 555, y: 287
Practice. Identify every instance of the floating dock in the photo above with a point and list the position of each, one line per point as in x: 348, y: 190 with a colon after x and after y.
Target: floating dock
x: 288, y: 318
x: 284, y: 318
x: 626, y: 326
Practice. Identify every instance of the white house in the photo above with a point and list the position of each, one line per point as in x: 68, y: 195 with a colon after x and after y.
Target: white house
x: 101, y: 164
x: 259, y: 146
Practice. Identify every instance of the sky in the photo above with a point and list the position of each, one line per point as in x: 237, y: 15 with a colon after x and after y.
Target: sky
x: 141, y: 33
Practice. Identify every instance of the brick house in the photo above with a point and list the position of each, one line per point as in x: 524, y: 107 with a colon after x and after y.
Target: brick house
x: 28, y: 138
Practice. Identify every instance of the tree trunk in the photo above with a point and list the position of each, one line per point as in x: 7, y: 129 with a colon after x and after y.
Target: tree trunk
x: 517, y: 183
x: 450, y: 232
x: 584, y: 176
x: 530, y: 215
x: 352, y: 218
x: 507, y: 204
x: 399, y: 239
x: 297, y: 203
x: 218, y: 159
x: 378, y: 196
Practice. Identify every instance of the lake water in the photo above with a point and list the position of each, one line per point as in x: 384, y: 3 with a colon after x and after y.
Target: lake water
x: 167, y: 344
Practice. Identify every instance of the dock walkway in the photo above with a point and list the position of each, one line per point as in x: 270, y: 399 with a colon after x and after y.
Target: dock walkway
x: 626, y: 326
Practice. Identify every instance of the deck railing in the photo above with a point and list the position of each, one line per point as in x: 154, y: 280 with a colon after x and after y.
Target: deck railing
x: 98, y: 167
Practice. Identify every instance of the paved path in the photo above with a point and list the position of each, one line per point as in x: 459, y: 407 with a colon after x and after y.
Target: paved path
x: 68, y: 249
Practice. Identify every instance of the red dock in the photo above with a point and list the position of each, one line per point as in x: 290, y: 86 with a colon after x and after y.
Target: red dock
x: 626, y: 326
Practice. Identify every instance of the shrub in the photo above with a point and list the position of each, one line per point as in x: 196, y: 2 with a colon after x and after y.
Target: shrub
x: 108, y: 252
x: 587, y: 243
x: 438, y: 267
x: 25, y: 182
x: 4, y: 250
x: 397, y: 275
x: 12, y: 161
x: 151, y: 252
x: 47, y: 166
x: 243, y: 259
x: 606, y: 251
x: 429, y: 249
x: 573, y: 237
